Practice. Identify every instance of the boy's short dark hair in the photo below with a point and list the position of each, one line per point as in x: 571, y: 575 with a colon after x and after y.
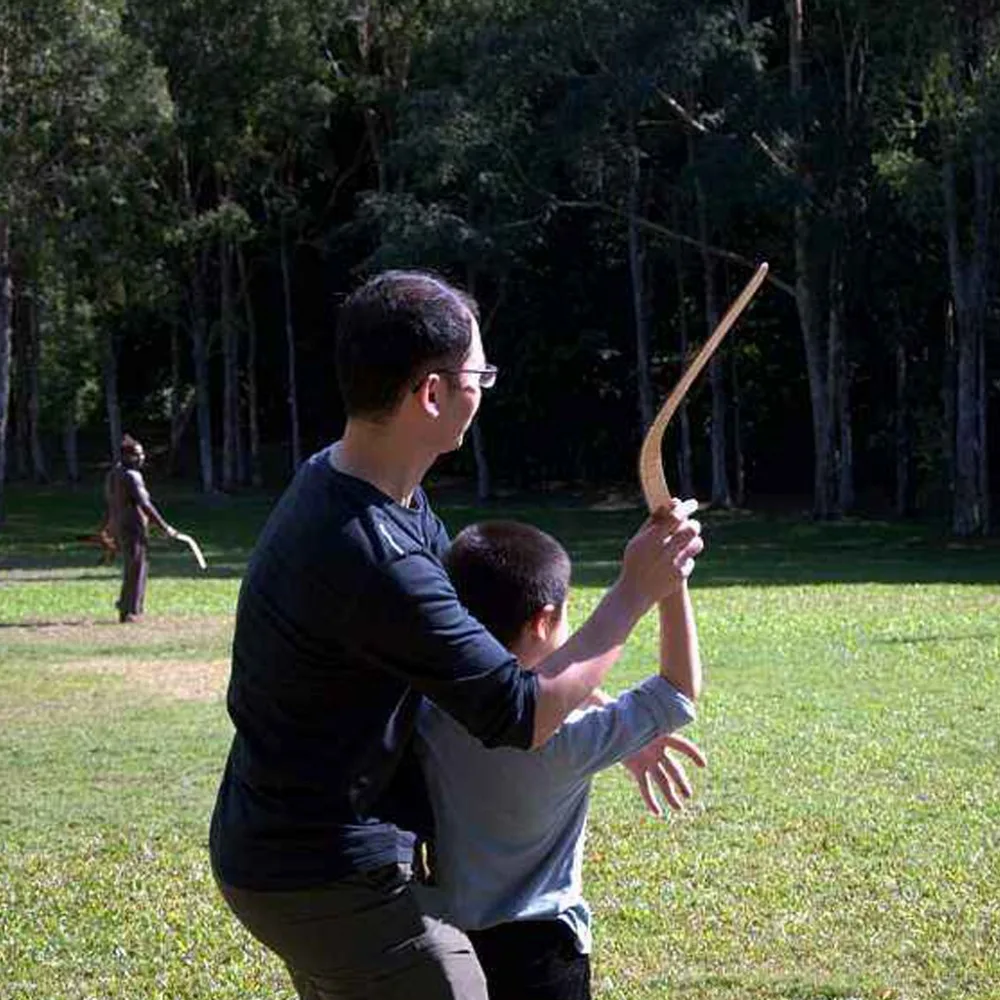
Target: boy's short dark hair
x: 505, y: 572
x: 393, y: 330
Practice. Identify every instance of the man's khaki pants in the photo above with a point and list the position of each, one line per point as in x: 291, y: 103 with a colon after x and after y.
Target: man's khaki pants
x: 362, y: 938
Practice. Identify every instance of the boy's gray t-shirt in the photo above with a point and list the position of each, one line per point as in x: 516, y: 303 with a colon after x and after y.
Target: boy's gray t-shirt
x: 509, y: 824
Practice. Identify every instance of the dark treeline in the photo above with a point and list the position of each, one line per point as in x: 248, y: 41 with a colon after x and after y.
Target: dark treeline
x: 189, y: 187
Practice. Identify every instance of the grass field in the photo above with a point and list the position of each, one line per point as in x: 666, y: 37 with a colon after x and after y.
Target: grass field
x: 845, y: 841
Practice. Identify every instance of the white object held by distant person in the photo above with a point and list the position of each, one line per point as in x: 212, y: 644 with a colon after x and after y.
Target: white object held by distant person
x: 194, y: 547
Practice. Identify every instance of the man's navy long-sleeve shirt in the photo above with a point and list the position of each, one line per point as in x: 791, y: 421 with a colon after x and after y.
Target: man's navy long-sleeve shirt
x: 346, y: 618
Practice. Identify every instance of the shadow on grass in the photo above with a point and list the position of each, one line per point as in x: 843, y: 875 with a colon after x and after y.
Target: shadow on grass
x: 742, y: 549
x: 919, y: 640
x: 760, y: 989
x: 757, y: 550
x: 42, y: 570
x: 38, y: 623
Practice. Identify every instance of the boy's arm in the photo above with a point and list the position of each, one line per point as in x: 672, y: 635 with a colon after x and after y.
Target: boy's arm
x: 657, y: 560
x: 602, y: 737
x: 680, y: 664
x: 653, y: 768
x: 680, y: 657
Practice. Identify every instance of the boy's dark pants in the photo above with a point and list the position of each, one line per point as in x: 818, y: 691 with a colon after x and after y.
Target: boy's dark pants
x: 362, y: 938
x: 532, y: 960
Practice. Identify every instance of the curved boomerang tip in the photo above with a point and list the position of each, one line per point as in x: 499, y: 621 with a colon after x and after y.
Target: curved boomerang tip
x: 651, y: 477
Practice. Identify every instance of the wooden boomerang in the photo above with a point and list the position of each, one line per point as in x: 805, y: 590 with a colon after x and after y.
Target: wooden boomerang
x: 654, y: 483
x: 193, y: 546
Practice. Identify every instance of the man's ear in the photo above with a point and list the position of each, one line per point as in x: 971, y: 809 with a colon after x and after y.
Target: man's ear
x: 428, y: 394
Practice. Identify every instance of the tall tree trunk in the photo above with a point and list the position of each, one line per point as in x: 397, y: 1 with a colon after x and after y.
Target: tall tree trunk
x: 845, y: 457
x: 968, y: 281
x: 293, y: 392
x: 70, y: 440
x: 984, y: 451
x: 738, y: 455
x: 33, y: 382
x: 175, y: 399
x: 901, y: 434
x: 484, y: 481
x: 838, y: 388
x: 721, y: 495
x: 202, y: 388
x: 806, y: 298
x: 256, y: 478
x: 230, y: 370
x: 949, y: 383
x: 109, y: 375
x: 640, y: 315
x: 199, y: 336
x: 22, y: 420
x: 6, y: 303
x: 71, y: 405
x: 685, y: 472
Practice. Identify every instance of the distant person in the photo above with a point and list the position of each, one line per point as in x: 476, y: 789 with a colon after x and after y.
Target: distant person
x: 130, y: 509
x: 509, y: 824
x: 346, y: 619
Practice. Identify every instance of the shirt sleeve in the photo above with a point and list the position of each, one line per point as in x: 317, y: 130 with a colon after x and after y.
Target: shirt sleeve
x: 599, y: 737
x: 411, y: 624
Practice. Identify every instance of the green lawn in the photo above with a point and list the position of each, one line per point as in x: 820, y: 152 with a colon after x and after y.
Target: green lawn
x: 844, y: 843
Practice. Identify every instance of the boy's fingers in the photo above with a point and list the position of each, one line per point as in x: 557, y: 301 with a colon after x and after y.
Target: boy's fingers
x: 663, y: 779
x: 676, y: 775
x: 646, y: 791
x: 683, y: 745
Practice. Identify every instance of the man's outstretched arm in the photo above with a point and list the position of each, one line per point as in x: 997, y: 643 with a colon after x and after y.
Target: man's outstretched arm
x: 657, y: 561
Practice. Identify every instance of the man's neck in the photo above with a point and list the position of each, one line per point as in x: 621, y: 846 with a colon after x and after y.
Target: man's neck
x: 374, y: 453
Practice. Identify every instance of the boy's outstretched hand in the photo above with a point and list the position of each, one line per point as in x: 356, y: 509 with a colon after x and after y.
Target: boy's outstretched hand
x: 653, y: 767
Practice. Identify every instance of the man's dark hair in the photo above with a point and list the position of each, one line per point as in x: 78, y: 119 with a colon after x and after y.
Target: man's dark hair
x: 130, y: 449
x: 505, y: 572
x: 392, y: 331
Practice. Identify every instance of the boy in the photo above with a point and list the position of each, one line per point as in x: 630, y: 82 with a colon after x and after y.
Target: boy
x: 510, y: 824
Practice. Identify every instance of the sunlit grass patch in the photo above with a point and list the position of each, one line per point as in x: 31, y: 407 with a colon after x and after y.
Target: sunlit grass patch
x: 843, y: 842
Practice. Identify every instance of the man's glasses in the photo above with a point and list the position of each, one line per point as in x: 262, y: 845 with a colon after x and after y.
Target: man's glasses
x: 487, y: 375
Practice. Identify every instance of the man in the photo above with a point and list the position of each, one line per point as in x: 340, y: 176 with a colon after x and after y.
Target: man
x: 130, y: 510
x: 346, y: 619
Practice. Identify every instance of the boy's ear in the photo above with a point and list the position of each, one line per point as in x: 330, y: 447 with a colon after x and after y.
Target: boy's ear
x: 543, y: 621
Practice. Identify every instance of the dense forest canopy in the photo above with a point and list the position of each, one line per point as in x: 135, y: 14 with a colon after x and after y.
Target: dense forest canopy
x: 189, y: 187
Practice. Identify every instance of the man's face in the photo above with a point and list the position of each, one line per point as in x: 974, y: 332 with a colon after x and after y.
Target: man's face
x: 461, y: 391
x: 135, y: 457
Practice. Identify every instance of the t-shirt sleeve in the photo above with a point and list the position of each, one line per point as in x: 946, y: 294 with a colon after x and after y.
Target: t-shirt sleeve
x: 409, y: 622
x: 599, y: 737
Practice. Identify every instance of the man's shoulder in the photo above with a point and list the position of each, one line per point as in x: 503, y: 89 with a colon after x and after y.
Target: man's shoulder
x: 326, y: 517
x: 454, y: 747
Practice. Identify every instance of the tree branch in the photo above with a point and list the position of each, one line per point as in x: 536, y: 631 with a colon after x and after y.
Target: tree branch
x: 670, y: 234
